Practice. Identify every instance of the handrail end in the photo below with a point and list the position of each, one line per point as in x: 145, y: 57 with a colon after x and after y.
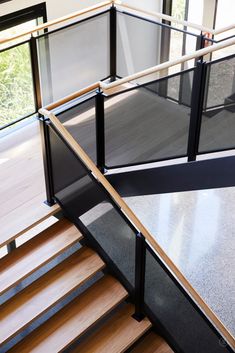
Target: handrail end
x: 103, y: 85
x: 45, y: 112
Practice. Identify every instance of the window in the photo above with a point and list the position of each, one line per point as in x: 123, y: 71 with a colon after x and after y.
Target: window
x: 16, y: 82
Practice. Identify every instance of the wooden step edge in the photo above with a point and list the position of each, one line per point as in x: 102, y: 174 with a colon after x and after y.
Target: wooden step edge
x: 51, y: 212
x: 152, y: 343
x: 59, y: 229
x: 37, y: 303
x: 117, y: 334
x: 75, y: 319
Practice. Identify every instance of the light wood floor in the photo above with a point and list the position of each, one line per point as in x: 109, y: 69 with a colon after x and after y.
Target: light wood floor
x: 22, y: 190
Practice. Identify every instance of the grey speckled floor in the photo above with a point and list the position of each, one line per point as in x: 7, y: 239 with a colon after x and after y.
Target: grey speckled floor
x: 197, y: 231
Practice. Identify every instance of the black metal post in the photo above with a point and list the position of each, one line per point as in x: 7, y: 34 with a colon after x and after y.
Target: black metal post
x: 200, y: 44
x: 113, y: 43
x: 197, y: 99
x: 165, y: 45
x: 35, y: 73
x: 140, y: 257
x: 46, y: 152
x: 100, y: 134
x: 11, y: 246
x: 44, y: 129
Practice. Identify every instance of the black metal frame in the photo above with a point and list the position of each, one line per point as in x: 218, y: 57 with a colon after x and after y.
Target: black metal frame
x: 113, y: 43
x: 100, y: 131
x: 47, y: 161
x: 140, y: 260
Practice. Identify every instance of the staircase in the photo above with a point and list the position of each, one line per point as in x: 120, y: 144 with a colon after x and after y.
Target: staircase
x: 56, y: 293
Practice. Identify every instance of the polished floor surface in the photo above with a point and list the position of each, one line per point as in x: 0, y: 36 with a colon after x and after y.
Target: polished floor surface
x: 22, y: 187
x: 197, y: 230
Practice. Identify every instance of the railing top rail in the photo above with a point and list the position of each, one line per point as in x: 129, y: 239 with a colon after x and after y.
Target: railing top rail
x: 136, y: 222
x: 76, y: 14
x: 57, y: 21
x: 162, y: 16
x: 73, y: 96
x: 166, y: 65
x: 165, y: 17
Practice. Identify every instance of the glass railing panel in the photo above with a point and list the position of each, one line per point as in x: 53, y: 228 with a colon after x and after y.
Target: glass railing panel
x: 218, y: 118
x: 142, y: 44
x: 74, y: 57
x: 177, y: 313
x: 86, y: 201
x: 144, y: 125
x: 114, y: 235
x: 16, y: 84
x: 80, y: 122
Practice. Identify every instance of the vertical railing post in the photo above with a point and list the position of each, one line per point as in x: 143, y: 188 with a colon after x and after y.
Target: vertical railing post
x: 11, y: 246
x: 200, y: 44
x: 113, y: 43
x: 44, y: 128
x: 100, y: 133
x: 35, y: 73
x: 197, y: 99
x: 47, y: 162
x: 140, y: 258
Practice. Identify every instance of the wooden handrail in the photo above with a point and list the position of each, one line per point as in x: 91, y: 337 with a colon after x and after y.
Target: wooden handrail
x: 72, y: 96
x: 224, y: 29
x: 166, y: 65
x: 56, y: 21
x: 139, y: 226
x: 173, y: 19
x: 165, y: 17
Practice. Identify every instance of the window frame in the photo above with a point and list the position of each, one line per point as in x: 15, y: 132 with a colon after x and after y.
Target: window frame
x: 27, y: 14
x: 39, y: 14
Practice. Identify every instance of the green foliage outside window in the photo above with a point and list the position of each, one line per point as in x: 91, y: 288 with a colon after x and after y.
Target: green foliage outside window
x: 16, y: 88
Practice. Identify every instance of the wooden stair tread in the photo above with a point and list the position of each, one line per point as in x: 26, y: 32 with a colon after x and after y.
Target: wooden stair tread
x: 152, y: 343
x: 25, y: 217
x: 74, y: 319
x: 37, y: 252
x: 116, y: 335
x: 41, y: 295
